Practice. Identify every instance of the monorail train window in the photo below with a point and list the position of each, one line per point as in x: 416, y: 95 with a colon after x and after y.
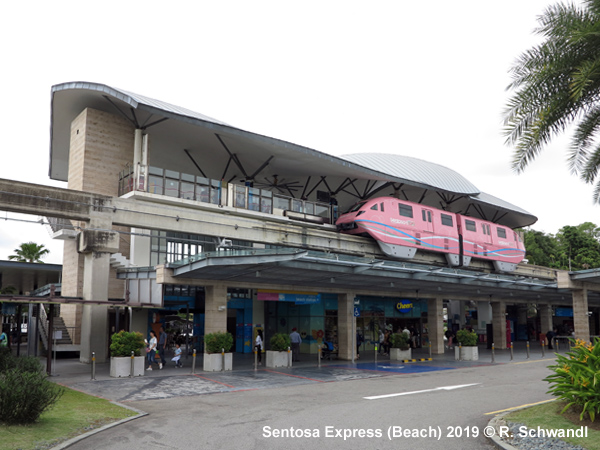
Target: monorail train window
x: 375, y: 207
x: 405, y: 210
x: 470, y: 225
x: 501, y: 233
x: 486, y: 229
x: 426, y: 215
x: 447, y: 220
x: 381, y: 207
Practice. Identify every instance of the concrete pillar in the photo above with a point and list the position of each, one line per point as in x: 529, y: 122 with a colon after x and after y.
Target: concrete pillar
x: 94, y: 320
x: 346, y: 325
x: 435, y: 324
x: 580, y: 314
x: 96, y: 243
x: 215, y: 317
x: 545, y: 318
x: 484, y: 314
x: 499, y: 324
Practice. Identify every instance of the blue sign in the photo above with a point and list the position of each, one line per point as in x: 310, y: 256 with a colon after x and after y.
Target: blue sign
x: 357, y: 311
x: 404, y: 306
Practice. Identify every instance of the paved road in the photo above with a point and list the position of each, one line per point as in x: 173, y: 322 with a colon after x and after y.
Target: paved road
x: 329, y: 402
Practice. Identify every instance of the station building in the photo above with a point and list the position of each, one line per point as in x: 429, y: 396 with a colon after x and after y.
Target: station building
x: 238, y: 229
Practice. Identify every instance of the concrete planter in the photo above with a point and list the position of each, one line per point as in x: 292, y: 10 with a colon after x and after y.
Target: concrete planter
x: 466, y: 353
x: 120, y: 366
x: 213, y: 362
x: 279, y: 359
x: 398, y: 355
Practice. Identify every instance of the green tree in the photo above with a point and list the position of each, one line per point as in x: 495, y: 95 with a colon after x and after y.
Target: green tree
x: 579, y: 247
x: 556, y: 84
x: 29, y: 252
x: 541, y: 249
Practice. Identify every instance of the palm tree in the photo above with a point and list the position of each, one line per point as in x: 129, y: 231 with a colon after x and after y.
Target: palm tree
x: 556, y: 84
x: 29, y: 252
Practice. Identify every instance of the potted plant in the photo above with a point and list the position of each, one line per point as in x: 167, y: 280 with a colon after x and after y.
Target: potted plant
x: 121, y: 346
x: 217, y: 355
x: 279, y: 354
x: 400, y: 349
x: 467, y: 350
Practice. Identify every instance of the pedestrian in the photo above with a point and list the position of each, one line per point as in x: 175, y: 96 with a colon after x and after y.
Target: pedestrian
x: 386, y: 343
x: 258, y: 346
x: 449, y: 336
x: 296, y: 340
x: 550, y: 335
x: 151, y: 350
x: 177, y: 357
x: 359, y: 341
x: 381, y: 339
x: 162, y: 344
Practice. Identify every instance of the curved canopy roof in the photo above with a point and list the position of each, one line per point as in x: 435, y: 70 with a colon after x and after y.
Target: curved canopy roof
x: 221, y: 151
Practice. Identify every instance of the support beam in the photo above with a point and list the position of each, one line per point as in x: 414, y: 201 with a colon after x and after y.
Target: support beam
x: 580, y: 314
x: 435, y: 324
x: 215, y: 318
x: 346, y: 326
x: 499, y: 324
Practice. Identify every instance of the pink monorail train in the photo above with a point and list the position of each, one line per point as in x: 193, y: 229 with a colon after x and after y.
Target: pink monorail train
x: 402, y: 227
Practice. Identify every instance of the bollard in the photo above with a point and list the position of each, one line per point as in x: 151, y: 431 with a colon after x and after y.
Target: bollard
x: 255, y: 359
x: 194, y: 362
x: 289, y: 358
x: 527, y: 349
x: 511, y: 351
x: 132, y: 370
x: 319, y: 357
x: 493, y: 353
x: 556, y: 345
x: 430, y: 349
x: 460, y: 351
x: 222, y: 360
x: 543, y: 352
x: 93, y: 366
x: 375, y: 353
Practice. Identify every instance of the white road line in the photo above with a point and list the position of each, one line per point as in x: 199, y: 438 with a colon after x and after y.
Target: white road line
x: 443, y: 388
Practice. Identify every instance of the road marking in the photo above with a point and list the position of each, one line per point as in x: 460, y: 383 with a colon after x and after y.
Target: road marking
x: 443, y: 388
x: 518, y: 407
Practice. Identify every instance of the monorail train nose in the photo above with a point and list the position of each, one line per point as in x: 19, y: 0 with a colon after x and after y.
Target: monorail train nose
x: 346, y: 226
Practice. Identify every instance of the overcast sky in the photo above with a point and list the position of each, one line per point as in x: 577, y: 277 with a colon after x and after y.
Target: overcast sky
x: 422, y: 79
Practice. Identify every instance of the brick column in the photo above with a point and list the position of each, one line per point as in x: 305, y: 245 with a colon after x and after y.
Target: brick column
x: 580, y: 314
x: 346, y: 324
x: 215, y: 317
x: 435, y: 324
x: 499, y: 324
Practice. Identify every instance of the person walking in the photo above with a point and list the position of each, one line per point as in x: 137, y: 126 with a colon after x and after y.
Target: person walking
x: 296, y: 340
x: 151, y: 350
x: 162, y: 344
x: 381, y: 339
x: 258, y: 346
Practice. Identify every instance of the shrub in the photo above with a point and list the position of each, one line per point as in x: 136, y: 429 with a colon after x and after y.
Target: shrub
x: 23, y: 363
x: 214, y: 342
x: 124, y: 342
x: 280, y: 342
x: 401, y: 341
x: 467, y: 338
x: 575, y: 378
x: 24, y: 396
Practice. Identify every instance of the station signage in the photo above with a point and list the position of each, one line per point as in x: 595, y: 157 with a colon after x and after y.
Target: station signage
x: 404, y: 306
x: 299, y: 298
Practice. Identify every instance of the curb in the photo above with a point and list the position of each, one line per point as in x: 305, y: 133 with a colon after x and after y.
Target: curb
x: 496, y: 422
x: 83, y: 436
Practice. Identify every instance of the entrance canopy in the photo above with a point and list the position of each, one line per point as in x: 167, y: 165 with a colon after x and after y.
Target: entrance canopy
x: 320, y: 271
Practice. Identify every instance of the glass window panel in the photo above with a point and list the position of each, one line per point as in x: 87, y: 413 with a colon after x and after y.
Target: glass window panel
x: 187, y: 190
x: 240, y: 197
x: 501, y: 233
x: 171, y: 188
x: 405, y: 210
x: 187, y: 177
x: 155, y: 185
x: 470, y: 225
x: 215, y: 195
x: 309, y: 207
x: 172, y: 174
x: 155, y: 171
x: 296, y: 205
x: 254, y: 199
x: 447, y: 220
x: 202, y: 194
x: 266, y: 205
x: 281, y: 202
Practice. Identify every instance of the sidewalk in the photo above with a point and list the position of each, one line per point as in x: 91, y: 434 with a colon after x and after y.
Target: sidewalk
x: 174, y: 382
